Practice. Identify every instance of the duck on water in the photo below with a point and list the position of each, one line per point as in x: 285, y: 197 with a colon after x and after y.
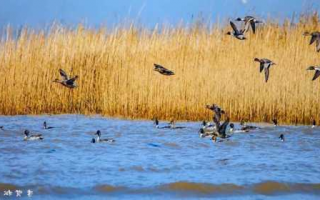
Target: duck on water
x: 171, y: 125
x: 27, y: 136
x: 99, y: 140
x: 45, y: 126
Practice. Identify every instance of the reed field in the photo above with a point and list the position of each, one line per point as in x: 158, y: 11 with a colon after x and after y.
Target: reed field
x: 116, y: 76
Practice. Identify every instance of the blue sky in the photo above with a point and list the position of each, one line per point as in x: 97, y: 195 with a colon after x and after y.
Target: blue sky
x: 38, y: 13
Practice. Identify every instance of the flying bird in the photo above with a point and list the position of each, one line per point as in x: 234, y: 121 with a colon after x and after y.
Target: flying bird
x: 315, y: 37
x: 217, y: 110
x: 239, y: 34
x: 317, y: 72
x: 265, y: 65
x: 162, y: 70
x: 66, y: 81
x: 249, y: 21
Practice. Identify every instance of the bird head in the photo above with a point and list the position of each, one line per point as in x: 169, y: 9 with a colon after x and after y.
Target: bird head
x: 306, y: 33
x: 231, y: 125
x: 98, y: 133
x: 26, y: 132
x: 311, y: 68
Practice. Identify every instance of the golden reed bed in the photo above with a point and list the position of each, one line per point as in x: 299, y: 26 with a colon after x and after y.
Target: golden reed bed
x: 116, y: 76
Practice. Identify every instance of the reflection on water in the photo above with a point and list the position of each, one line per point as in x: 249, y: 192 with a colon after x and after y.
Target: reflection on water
x: 156, y: 163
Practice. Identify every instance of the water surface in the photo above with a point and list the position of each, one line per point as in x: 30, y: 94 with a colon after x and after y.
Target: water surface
x: 146, y: 162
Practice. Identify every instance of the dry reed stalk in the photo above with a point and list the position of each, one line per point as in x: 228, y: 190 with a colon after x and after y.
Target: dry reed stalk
x: 116, y: 76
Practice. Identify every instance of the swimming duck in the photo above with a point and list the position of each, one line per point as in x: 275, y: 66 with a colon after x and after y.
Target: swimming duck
x: 1, y: 127
x: 163, y: 70
x: 66, y: 81
x: 32, y: 137
x: 45, y: 126
x: 203, y: 132
x: 239, y: 34
x: 217, y: 110
x: 275, y: 122
x: 315, y: 37
x: 233, y: 130
x: 265, y: 65
x: 281, y: 137
x: 172, y: 125
x: 314, y: 124
x: 214, y: 139
x: 317, y: 72
x: 156, y: 122
x: 249, y: 21
x: 97, y: 140
x: 207, y: 125
x: 244, y: 126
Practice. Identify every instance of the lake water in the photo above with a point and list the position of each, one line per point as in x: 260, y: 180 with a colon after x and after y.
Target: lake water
x: 150, y: 163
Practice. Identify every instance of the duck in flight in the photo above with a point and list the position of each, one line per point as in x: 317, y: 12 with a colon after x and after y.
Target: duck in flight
x: 27, y: 136
x: 249, y: 21
x: 66, y: 81
x: 217, y: 110
x: 221, y: 129
x: 265, y: 65
x: 317, y: 72
x: 99, y: 140
x: 315, y: 37
x: 162, y: 70
x: 239, y: 34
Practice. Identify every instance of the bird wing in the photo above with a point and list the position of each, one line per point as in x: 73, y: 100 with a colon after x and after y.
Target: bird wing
x: 266, y: 73
x: 71, y: 80
x: 246, y: 26
x: 63, y: 74
x: 261, y: 67
x: 168, y: 72
x: 313, y: 38
x: 157, y: 66
x: 253, y: 26
x: 37, y: 135
x: 234, y: 27
x: 217, y: 122
x: 222, y: 129
x: 318, y: 44
x: 316, y: 75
